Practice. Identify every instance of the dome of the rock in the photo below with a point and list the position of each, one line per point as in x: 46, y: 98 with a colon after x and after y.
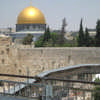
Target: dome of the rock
x: 31, y: 15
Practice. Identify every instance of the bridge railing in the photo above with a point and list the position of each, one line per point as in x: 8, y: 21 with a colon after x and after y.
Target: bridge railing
x: 64, y: 89
x: 28, y: 89
x: 49, y: 88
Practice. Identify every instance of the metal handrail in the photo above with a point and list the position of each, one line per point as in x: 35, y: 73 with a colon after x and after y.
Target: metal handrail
x: 74, y: 81
x: 19, y: 76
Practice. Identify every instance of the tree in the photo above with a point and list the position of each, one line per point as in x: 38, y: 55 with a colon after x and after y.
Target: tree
x: 1, y: 84
x: 97, y: 90
x: 87, y: 38
x: 54, y: 38
x: 61, y: 37
x: 81, y: 35
x: 92, y: 42
x: 64, y: 24
x: 39, y: 43
x: 28, y: 39
x: 47, y: 34
x: 97, y: 37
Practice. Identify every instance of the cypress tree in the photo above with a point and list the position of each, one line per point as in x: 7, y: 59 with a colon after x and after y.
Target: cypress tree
x: 47, y: 34
x: 81, y: 35
x: 87, y: 38
x: 61, y: 39
x: 97, y: 37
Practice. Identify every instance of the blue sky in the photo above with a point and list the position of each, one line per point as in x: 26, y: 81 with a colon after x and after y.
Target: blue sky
x: 54, y: 11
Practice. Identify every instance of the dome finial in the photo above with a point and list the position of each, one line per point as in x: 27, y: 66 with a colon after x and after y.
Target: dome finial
x: 30, y: 2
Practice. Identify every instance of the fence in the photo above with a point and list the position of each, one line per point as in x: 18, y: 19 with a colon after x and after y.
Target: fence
x: 49, y: 88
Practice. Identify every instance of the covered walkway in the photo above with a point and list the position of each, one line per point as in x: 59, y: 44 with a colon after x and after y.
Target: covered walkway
x: 64, y: 83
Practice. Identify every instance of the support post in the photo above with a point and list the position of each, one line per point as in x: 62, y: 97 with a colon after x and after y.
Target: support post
x: 83, y: 95
x: 4, y: 89
x: 92, y: 97
x: 68, y: 94
x: 49, y: 91
x: 8, y: 88
x: 75, y: 95
x: 43, y: 90
x: 14, y: 88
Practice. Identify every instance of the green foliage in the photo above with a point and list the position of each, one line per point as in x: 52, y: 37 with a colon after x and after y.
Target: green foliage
x: 81, y: 35
x: 92, y: 42
x: 98, y: 29
x: 47, y: 35
x: 83, y: 39
x: 44, y: 42
x: 53, y: 42
x: 87, y: 38
x: 69, y: 45
x: 1, y: 84
x: 58, y: 40
x: 61, y: 39
x: 97, y: 88
x: 39, y: 43
x: 54, y: 38
x: 28, y: 39
x: 98, y: 33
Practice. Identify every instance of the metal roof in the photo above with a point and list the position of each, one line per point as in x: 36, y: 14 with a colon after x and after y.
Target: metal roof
x: 43, y: 74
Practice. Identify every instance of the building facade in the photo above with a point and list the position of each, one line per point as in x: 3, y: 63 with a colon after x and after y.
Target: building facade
x: 30, y: 21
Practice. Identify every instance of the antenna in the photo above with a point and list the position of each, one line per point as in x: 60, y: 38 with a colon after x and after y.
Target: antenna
x: 30, y: 2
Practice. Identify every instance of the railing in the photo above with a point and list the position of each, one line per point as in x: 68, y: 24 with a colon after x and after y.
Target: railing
x: 49, y: 88
x: 66, y: 89
x: 27, y: 89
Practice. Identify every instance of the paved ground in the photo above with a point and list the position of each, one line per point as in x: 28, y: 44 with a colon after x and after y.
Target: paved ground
x: 13, y: 98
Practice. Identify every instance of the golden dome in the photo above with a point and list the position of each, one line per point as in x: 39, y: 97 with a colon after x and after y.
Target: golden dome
x: 31, y: 15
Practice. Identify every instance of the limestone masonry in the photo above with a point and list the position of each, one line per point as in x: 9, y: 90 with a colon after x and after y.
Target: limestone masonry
x: 15, y: 60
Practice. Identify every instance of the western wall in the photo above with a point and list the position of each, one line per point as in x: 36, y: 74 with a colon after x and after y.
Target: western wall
x: 16, y: 59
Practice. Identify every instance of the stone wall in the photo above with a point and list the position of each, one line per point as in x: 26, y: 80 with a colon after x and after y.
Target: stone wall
x: 5, y: 40
x: 42, y: 59
x: 16, y: 60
